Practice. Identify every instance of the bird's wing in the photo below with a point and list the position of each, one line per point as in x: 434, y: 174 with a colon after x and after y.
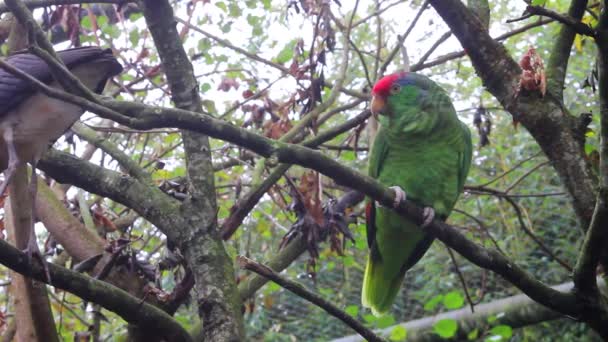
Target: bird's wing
x: 13, y: 90
x: 376, y: 159
x: 464, y: 157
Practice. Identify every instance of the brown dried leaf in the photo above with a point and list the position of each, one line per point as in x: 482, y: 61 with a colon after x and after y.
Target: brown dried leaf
x: 310, y: 188
x: 276, y: 129
x: 228, y: 83
x: 533, y: 72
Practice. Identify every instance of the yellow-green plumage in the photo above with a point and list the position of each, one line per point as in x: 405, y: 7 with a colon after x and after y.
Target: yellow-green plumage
x: 422, y: 147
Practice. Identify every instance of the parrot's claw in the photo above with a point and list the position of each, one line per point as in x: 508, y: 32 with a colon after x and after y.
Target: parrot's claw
x: 399, y: 195
x: 429, y: 215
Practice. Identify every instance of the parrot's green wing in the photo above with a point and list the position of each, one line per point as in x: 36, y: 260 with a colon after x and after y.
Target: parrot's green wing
x: 378, y: 153
x: 464, y: 157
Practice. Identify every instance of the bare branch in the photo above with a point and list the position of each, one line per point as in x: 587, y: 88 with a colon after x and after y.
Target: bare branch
x: 578, y: 26
x: 299, y: 290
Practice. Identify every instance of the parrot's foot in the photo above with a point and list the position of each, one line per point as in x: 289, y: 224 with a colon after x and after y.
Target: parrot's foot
x: 399, y: 195
x: 429, y: 215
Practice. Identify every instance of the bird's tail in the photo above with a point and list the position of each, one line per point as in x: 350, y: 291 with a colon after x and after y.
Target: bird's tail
x: 379, y: 291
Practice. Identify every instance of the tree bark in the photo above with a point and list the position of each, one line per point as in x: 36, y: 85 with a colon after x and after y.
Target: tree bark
x: 515, y: 311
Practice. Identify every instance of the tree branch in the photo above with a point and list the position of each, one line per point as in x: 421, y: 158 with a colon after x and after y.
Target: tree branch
x: 574, y: 23
x: 33, y: 4
x: 515, y: 311
x: 302, y: 292
x: 125, y: 162
x: 293, y: 250
x: 560, y: 53
x: 112, y: 298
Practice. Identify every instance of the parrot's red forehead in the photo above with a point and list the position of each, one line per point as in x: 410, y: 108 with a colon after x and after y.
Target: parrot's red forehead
x: 383, y: 86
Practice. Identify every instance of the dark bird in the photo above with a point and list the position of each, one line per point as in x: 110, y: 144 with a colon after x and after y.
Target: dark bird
x: 30, y: 121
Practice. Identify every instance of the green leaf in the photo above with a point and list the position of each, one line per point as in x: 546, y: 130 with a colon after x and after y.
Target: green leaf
x: 86, y: 23
x: 286, y: 53
x: 398, y: 333
x: 204, y: 45
x: 432, y: 304
x: 221, y: 6
x: 112, y: 31
x: 348, y: 261
x: 369, y: 318
x: 135, y: 16
x: 272, y: 287
x: 352, y: 310
x: 205, y: 87
x: 453, y: 300
x: 361, y: 243
x: 134, y: 37
x: 234, y: 10
x: 209, y: 106
x: 473, y: 334
x: 503, y: 331
x: 538, y: 2
x: 446, y: 328
x: 226, y: 27
x: 102, y: 21
x: 385, y: 321
x: 160, y: 174
x: 349, y: 155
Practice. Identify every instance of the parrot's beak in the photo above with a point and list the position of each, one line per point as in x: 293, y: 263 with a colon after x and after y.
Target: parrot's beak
x: 378, y: 104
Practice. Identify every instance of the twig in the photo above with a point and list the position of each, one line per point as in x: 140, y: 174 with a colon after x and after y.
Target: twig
x: 299, y: 290
x: 402, y: 38
x: 462, y: 281
x: 458, y: 54
x: 533, y: 236
x: 482, y: 226
x: 578, y: 26
x: 242, y: 208
x: 432, y: 49
x: 525, y: 175
x: 510, y: 170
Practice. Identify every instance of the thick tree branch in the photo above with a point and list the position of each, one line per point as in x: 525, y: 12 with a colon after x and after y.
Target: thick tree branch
x: 150, y: 202
x: 545, y: 118
x: 560, y: 53
x: 597, y: 235
x: 515, y: 311
x: 32, y: 4
x: 216, y: 293
x: 114, y: 299
x: 125, y: 162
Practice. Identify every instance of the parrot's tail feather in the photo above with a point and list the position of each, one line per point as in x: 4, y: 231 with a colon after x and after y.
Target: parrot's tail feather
x: 378, y: 292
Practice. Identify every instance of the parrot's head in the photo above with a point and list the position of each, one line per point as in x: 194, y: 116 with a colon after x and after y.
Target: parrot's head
x: 403, y: 100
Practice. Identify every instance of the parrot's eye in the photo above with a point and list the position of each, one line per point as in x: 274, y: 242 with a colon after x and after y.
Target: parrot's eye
x: 395, y: 89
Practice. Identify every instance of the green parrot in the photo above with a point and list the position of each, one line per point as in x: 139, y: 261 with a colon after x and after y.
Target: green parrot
x: 423, y: 148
